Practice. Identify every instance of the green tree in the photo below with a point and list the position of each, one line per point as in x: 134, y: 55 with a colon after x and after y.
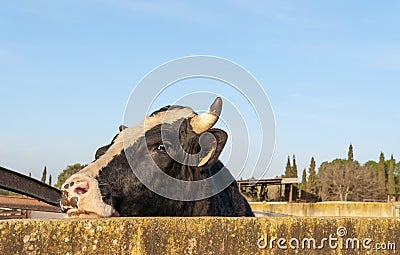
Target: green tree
x: 67, y: 172
x: 397, y: 172
x: 44, y: 175
x: 381, y: 173
x: 397, y: 177
x: 294, y: 167
x: 303, y: 184
x: 288, y: 170
x: 312, y: 185
x: 373, y: 165
x: 50, y: 180
x: 350, y: 153
x: 350, y: 165
x: 390, y: 182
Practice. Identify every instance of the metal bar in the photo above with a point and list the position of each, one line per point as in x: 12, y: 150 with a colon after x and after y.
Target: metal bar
x: 25, y: 203
x: 276, y: 181
x: 22, y: 184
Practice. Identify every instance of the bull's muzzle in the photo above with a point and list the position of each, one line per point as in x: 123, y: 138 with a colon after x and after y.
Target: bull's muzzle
x: 81, y: 197
x: 73, y: 190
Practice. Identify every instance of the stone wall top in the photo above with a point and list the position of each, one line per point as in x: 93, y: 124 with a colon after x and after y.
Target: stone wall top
x: 205, y: 235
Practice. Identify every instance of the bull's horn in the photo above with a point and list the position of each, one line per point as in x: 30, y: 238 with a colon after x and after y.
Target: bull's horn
x: 203, y: 122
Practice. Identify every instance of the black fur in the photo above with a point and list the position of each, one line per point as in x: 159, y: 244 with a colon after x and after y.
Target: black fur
x: 121, y: 188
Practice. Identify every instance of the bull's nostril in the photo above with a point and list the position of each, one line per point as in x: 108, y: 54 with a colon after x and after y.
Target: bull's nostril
x: 80, y: 191
x: 74, y: 201
x: 71, y: 184
x: 66, y: 186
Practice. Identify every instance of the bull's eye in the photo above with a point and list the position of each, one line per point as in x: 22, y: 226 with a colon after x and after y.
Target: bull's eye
x: 161, y: 147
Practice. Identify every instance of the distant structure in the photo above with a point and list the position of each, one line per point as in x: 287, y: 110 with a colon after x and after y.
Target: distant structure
x: 277, y: 189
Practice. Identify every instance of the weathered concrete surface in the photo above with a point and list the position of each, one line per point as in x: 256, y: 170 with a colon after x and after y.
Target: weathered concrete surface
x: 336, y: 209
x: 197, y: 235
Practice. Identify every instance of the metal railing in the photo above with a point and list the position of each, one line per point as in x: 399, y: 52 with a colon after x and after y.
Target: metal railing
x: 22, y: 184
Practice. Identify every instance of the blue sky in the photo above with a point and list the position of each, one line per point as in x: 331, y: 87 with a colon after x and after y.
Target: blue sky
x: 331, y: 71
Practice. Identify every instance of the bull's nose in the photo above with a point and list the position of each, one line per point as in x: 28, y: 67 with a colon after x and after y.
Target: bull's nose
x: 71, y: 191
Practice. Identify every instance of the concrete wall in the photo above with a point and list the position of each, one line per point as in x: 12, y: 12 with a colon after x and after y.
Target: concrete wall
x: 47, y: 215
x: 341, y: 209
x: 206, y: 235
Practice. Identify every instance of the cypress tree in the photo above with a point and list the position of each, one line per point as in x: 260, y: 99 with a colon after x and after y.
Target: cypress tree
x: 349, y: 164
x: 288, y: 170
x: 312, y: 178
x: 390, y: 184
x: 381, y: 173
x: 303, y: 184
x: 294, y: 167
x: 44, y: 175
x: 50, y: 180
x: 350, y: 154
x: 397, y: 170
x: 304, y: 180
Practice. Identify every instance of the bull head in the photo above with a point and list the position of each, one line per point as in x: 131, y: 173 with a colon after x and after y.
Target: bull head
x: 108, y: 186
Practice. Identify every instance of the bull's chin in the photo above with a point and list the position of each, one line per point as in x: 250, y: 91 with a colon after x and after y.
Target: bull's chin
x: 76, y: 213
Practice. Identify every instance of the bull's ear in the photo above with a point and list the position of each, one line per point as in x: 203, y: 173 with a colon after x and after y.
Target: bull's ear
x: 212, y: 145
